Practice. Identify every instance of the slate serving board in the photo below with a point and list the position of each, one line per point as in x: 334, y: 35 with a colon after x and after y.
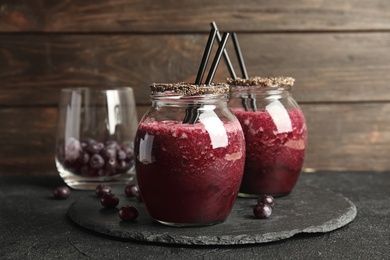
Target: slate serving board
x: 306, y: 210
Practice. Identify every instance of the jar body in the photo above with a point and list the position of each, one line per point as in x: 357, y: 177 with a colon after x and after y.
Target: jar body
x: 189, y: 174
x: 275, y: 133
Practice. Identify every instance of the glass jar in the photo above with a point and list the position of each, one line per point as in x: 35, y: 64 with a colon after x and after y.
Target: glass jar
x: 275, y: 133
x: 95, y: 135
x: 189, y: 154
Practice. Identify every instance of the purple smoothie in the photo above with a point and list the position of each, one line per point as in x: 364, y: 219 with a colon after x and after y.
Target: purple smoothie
x: 186, y: 174
x: 275, y: 150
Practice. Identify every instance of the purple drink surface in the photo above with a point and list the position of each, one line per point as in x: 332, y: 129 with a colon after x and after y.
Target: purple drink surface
x: 184, y: 179
x: 275, y: 150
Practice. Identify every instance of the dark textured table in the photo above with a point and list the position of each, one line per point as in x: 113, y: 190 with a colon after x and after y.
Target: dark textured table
x: 35, y: 226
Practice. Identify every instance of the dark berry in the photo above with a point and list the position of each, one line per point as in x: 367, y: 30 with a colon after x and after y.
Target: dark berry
x: 84, y: 145
x: 96, y: 161
x: 108, y: 153
x: 267, y: 199
x: 94, y: 147
x: 102, y: 189
x: 129, y: 153
x: 122, y: 166
x: 84, y: 158
x: 131, y: 190
x: 100, y: 146
x: 109, y: 200
x: 262, y: 210
x: 112, y: 145
x: 61, y: 192
x: 110, y: 167
x: 128, y: 213
x: 121, y: 155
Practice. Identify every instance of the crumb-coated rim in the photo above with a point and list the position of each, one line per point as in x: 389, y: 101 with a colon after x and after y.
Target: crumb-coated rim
x: 262, y: 81
x: 190, y: 89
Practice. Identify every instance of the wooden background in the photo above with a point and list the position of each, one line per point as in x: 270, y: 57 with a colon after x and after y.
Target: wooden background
x: 338, y: 51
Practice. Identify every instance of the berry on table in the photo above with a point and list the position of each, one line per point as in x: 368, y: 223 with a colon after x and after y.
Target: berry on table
x: 131, y: 190
x: 102, y: 189
x: 128, y: 212
x: 267, y: 199
x: 61, y: 192
x: 109, y: 200
x: 262, y: 210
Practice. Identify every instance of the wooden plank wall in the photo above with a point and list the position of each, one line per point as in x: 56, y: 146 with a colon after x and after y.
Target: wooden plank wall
x: 338, y: 51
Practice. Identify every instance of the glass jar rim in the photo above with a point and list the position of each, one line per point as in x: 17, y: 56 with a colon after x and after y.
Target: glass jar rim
x: 189, y: 89
x: 97, y: 89
x: 262, y: 82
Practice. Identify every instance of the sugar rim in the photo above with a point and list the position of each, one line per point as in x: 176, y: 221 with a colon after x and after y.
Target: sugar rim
x: 189, y: 89
x: 262, y: 81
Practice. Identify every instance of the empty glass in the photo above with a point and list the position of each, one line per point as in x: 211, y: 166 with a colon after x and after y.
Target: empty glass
x: 96, y: 129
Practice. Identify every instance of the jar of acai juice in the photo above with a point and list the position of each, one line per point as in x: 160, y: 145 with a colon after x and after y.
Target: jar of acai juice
x: 275, y: 133
x: 189, y: 154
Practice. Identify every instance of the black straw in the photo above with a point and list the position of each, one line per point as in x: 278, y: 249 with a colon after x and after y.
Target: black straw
x: 206, y: 56
x: 252, y: 98
x: 225, y: 53
x: 217, y: 58
x: 192, y: 113
x: 239, y: 56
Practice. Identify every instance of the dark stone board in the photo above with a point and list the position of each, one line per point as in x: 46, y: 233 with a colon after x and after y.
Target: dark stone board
x: 306, y: 210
